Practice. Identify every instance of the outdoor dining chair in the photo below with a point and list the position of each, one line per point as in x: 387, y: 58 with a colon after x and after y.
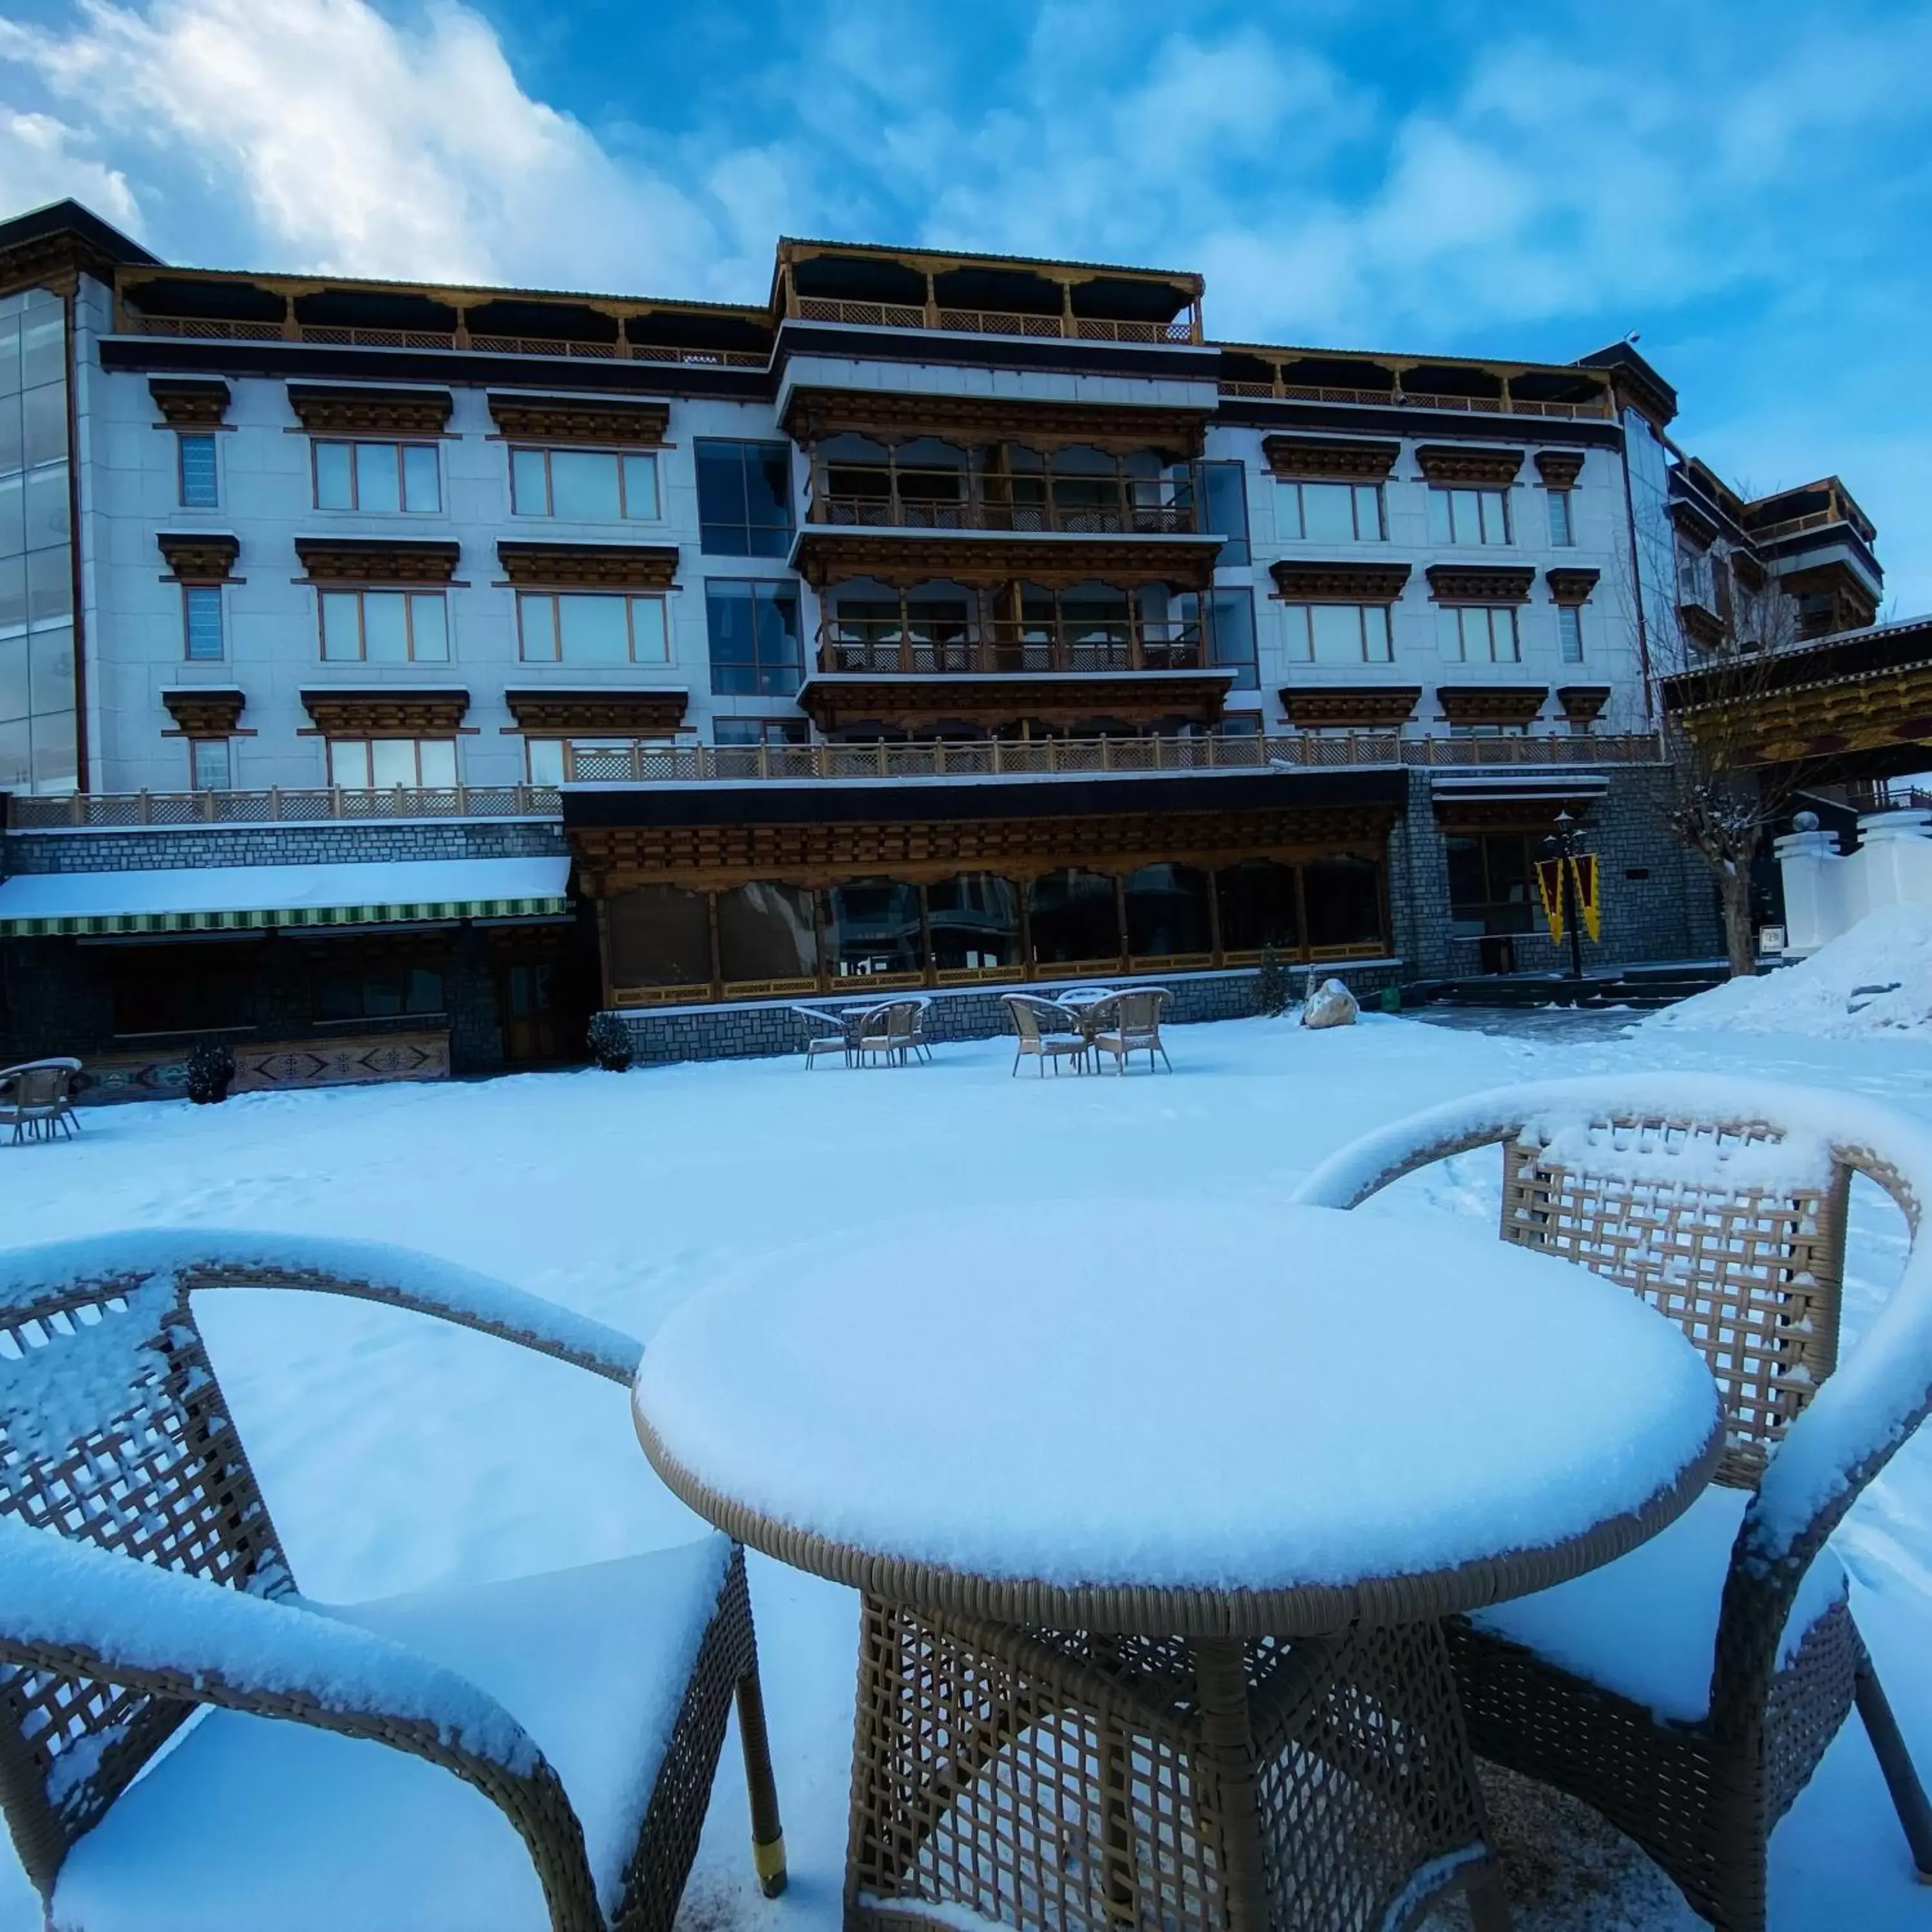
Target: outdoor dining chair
x: 1043, y: 1028
x: 1688, y: 1691
x: 830, y: 1034
x: 891, y: 1032
x: 142, y: 1581
x: 1128, y: 1024
x: 36, y: 1099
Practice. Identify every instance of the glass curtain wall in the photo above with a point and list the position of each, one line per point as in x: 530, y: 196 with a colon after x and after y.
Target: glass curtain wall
x: 39, y: 733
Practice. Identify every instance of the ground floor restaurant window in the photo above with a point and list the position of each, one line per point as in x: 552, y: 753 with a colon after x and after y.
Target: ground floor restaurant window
x: 383, y: 990
x: 666, y: 942
x: 194, y: 986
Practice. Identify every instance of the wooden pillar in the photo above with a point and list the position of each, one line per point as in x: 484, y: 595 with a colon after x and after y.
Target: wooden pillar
x: 604, y: 954
x: 928, y: 965
x: 1214, y: 946
x: 1507, y: 405
x: 291, y: 329
x: 460, y: 338
x: 1120, y: 915
x: 1069, y: 325
x: 717, y: 950
x: 931, y: 302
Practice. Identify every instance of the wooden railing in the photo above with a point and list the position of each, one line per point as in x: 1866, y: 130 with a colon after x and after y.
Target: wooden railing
x: 905, y: 496
x: 990, y: 322
x: 846, y: 644
x: 1398, y: 397
x: 199, y: 329
x: 101, y: 811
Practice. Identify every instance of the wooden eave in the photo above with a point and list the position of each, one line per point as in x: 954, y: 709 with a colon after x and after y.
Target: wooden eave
x: 1703, y: 628
x: 195, y: 557
x: 1365, y: 707
x: 1571, y: 585
x: 206, y: 711
x: 1459, y: 462
x: 1319, y: 458
x: 1582, y: 703
x: 828, y: 554
x: 332, y: 409
x: 1343, y: 582
x: 613, y: 859
x: 836, y: 701
x: 1559, y: 468
x: 383, y: 712
x: 1535, y: 816
x: 371, y: 560
x: 584, y: 566
x: 812, y: 415
x: 1479, y: 583
x: 1491, y: 704
x: 190, y: 402
x: 1861, y: 712
x: 567, y: 419
x: 614, y: 712
x: 1692, y: 523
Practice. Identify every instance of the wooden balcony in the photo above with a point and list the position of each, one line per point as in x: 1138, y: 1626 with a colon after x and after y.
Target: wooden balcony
x: 1010, y: 649
x: 1183, y: 328
x: 897, y: 496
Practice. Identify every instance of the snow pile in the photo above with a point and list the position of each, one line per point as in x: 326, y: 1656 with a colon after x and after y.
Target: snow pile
x: 1876, y: 979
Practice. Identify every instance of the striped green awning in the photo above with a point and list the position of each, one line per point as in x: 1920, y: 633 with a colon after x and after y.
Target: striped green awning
x: 229, y: 898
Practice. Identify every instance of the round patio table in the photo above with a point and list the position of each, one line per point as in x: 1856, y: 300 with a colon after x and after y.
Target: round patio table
x: 1155, y: 1506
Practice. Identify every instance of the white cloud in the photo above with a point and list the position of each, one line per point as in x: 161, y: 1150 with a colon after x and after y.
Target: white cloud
x: 42, y: 160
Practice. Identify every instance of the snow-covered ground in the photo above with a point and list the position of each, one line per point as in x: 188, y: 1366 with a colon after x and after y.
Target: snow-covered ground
x: 400, y: 1454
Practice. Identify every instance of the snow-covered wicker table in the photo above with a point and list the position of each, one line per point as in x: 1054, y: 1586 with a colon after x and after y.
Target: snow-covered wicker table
x: 1154, y: 1523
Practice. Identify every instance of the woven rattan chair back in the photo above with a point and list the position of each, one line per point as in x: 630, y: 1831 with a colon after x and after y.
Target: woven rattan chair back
x: 1135, y: 1017
x: 901, y: 1022
x: 1029, y: 1013
x: 1753, y: 1275
x: 113, y: 1430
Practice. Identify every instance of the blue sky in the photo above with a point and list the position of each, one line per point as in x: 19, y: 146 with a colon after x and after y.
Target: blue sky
x: 1749, y: 187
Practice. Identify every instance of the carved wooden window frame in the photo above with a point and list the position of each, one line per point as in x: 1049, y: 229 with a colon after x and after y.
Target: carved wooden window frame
x: 630, y: 599
x: 1456, y: 615
x: 1297, y: 655
x: 618, y: 455
x: 1288, y: 488
x: 1448, y: 493
x: 361, y: 592
x: 354, y: 444
x: 338, y: 742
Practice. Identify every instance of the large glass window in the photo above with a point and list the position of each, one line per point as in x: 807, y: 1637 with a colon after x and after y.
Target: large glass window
x: 1234, y: 636
x: 1478, y: 633
x: 1224, y: 491
x: 744, y: 498
x: 192, y: 986
x: 1168, y: 913
x: 377, y: 477
x: 761, y: 731
x: 974, y: 920
x: 658, y: 936
x: 389, y: 990
x: 1260, y: 905
x: 1492, y: 882
x: 1337, y: 633
x: 872, y: 926
x: 753, y: 623
x: 201, y: 623
x: 366, y: 764
x: 1469, y: 517
x: 591, y: 629
x: 1330, y: 513
x: 385, y: 627
x: 765, y: 933
x: 584, y: 486
x: 1073, y: 916
x: 198, y: 475
x: 1343, y: 899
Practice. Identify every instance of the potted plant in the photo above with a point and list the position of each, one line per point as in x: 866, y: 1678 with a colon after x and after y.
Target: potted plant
x: 609, y: 1040
x: 211, y: 1070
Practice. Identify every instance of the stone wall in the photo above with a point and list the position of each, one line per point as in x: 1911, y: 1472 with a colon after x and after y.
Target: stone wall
x: 333, y: 843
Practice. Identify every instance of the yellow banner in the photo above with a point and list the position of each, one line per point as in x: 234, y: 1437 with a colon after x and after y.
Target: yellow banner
x: 1586, y: 876
x: 1549, y: 884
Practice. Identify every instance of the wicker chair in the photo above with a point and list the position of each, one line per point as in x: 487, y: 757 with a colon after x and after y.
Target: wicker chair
x: 1128, y: 1024
x: 830, y: 1034
x: 142, y: 1577
x: 1032, y: 1020
x: 36, y: 1099
x: 1688, y: 1691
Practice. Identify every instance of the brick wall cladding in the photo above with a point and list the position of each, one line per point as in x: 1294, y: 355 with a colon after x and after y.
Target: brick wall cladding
x: 135, y: 851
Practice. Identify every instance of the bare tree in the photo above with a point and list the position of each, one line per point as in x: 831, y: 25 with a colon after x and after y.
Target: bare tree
x: 1713, y: 648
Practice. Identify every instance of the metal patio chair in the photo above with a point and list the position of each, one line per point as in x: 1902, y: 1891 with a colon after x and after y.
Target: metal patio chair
x: 1042, y: 1026
x: 37, y: 1099
x: 1128, y: 1024
x: 142, y: 1579
x: 1688, y: 1691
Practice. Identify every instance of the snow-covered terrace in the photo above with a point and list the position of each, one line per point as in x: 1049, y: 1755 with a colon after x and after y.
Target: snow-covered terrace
x: 398, y: 1453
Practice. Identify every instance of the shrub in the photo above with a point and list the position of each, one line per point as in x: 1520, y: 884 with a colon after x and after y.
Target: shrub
x: 211, y: 1067
x: 609, y: 1040
x: 1271, y: 984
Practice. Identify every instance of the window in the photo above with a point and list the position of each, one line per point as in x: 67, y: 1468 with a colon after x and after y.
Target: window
x: 375, y: 992
x: 201, y: 623
x: 1570, y: 632
x: 1073, y: 916
x: 569, y: 628
x: 755, y: 641
x: 375, y: 764
x: 377, y: 476
x: 1562, y: 527
x: 974, y: 921
x: 1478, y: 633
x: 1491, y: 883
x: 760, y: 731
x: 385, y: 627
x: 1693, y: 577
x: 211, y: 765
x: 872, y: 926
x: 200, y: 489
x: 1224, y: 505
x: 1469, y: 517
x: 192, y: 986
x: 658, y: 936
x: 584, y: 486
x: 1234, y: 636
x: 1338, y: 633
x: 744, y: 498
x: 1329, y: 513
x: 1343, y: 898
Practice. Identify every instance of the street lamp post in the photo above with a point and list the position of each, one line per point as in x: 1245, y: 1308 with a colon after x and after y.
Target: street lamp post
x: 1563, y: 842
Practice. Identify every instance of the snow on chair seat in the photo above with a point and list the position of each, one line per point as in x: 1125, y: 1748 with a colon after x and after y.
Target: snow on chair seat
x: 250, y: 1822
x: 1721, y: 1203
x: 142, y: 1579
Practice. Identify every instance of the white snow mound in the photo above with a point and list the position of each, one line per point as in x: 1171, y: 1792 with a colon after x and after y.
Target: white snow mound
x: 1876, y: 979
